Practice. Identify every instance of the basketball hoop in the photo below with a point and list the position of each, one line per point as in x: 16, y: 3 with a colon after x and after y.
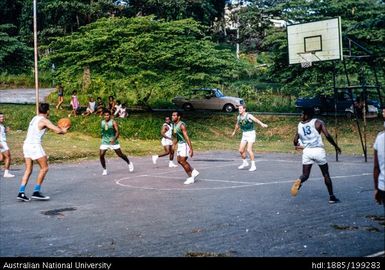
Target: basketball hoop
x: 306, y: 59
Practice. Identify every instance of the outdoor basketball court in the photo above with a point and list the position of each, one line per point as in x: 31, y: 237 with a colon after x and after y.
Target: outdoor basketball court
x: 227, y: 212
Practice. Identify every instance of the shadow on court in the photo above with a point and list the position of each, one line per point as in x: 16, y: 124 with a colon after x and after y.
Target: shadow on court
x: 227, y: 212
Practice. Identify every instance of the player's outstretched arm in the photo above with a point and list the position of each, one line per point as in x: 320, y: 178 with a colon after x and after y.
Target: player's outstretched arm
x: 259, y: 122
x: 45, y: 123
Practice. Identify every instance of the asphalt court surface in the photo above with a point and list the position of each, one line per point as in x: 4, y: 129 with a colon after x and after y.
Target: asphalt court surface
x: 227, y: 212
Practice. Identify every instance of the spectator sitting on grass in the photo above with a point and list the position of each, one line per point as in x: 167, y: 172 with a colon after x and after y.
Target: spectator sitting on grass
x: 99, y: 106
x: 91, y: 106
x: 118, y: 105
x: 122, y: 112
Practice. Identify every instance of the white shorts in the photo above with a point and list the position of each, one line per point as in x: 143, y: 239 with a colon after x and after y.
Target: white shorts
x: 166, y: 142
x: 4, y: 147
x: 314, y: 155
x: 183, y: 150
x: 248, y: 136
x: 109, y: 146
x: 33, y: 151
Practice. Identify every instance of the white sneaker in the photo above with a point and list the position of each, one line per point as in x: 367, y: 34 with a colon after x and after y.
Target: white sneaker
x: 194, y: 173
x: 8, y: 175
x: 244, y: 164
x: 104, y: 172
x: 154, y: 159
x: 172, y: 165
x: 131, y: 166
x: 252, y: 168
x: 189, y: 181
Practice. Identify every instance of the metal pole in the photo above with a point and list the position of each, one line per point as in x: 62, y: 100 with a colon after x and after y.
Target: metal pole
x: 335, y: 108
x: 363, y: 84
x: 237, y: 36
x: 35, y: 53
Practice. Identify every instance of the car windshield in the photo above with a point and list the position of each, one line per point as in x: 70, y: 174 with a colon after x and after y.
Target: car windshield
x: 219, y: 93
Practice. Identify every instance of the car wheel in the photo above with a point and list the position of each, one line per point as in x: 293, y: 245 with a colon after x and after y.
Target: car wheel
x: 349, y: 115
x: 228, y: 108
x: 317, y: 110
x: 187, y: 107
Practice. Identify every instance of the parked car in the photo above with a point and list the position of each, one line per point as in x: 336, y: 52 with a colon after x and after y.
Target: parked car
x: 207, y: 99
x: 325, y: 104
x: 371, y: 113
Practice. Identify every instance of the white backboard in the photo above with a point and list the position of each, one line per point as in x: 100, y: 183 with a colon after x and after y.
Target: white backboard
x: 315, y: 41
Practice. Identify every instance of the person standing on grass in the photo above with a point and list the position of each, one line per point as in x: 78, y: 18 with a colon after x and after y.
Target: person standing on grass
x: 60, y: 96
x: 33, y: 150
x: 379, y: 166
x: 110, y: 135
x: 309, y: 132
x: 167, y: 143
x: 5, y: 153
x: 184, y: 148
x: 75, y: 104
x: 245, y: 122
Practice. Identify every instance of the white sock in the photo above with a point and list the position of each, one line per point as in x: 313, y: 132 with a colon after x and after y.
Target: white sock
x: 6, y: 172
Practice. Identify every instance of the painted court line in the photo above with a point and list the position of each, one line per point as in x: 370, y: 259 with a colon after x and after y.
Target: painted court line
x: 239, y: 184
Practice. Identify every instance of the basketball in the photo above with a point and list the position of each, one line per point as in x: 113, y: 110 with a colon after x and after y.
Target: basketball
x: 64, y: 123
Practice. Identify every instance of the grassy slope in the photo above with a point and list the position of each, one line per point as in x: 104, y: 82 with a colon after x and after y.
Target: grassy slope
x: 140, y: 134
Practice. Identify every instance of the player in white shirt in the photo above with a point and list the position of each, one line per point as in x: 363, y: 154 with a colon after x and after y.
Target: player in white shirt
x: 309, y: 133
x: 33, y: 150
x: 5, y: 153
x: 167, y: 143
x: 379, y: 166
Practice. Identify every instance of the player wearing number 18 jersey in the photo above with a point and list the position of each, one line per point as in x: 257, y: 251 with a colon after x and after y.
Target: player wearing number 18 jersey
x: 309, y: 133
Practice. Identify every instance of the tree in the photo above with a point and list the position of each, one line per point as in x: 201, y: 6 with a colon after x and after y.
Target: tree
x: 142, y: 58
x: 61, y: 17
x: 204, y: 11
x: 15, y: 56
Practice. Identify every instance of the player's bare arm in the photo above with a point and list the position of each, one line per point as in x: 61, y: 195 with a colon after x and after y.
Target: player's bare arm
x: 259, y: 122
x: 163, y: 132
x: 235, y: 129
x: 186, y: 137
x: 116, y: 128
x: 376, y: 174
x: 46, y: 123
x: 321, y: 128
x: 296, y: 142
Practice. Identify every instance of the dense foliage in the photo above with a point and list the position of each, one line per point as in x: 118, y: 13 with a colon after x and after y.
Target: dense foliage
x: 146, y: 49
x: 141, y: 58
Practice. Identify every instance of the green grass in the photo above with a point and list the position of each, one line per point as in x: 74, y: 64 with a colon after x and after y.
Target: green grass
x: 140, y: 134
x: 10, y: 81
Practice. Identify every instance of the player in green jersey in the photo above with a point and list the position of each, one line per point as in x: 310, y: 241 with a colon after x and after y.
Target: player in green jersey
x: 110, y: 135
x: 184, y: 148
x: 245, y: 122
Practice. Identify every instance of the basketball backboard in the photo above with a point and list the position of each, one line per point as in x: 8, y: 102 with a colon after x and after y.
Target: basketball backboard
x: 315, y: 41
